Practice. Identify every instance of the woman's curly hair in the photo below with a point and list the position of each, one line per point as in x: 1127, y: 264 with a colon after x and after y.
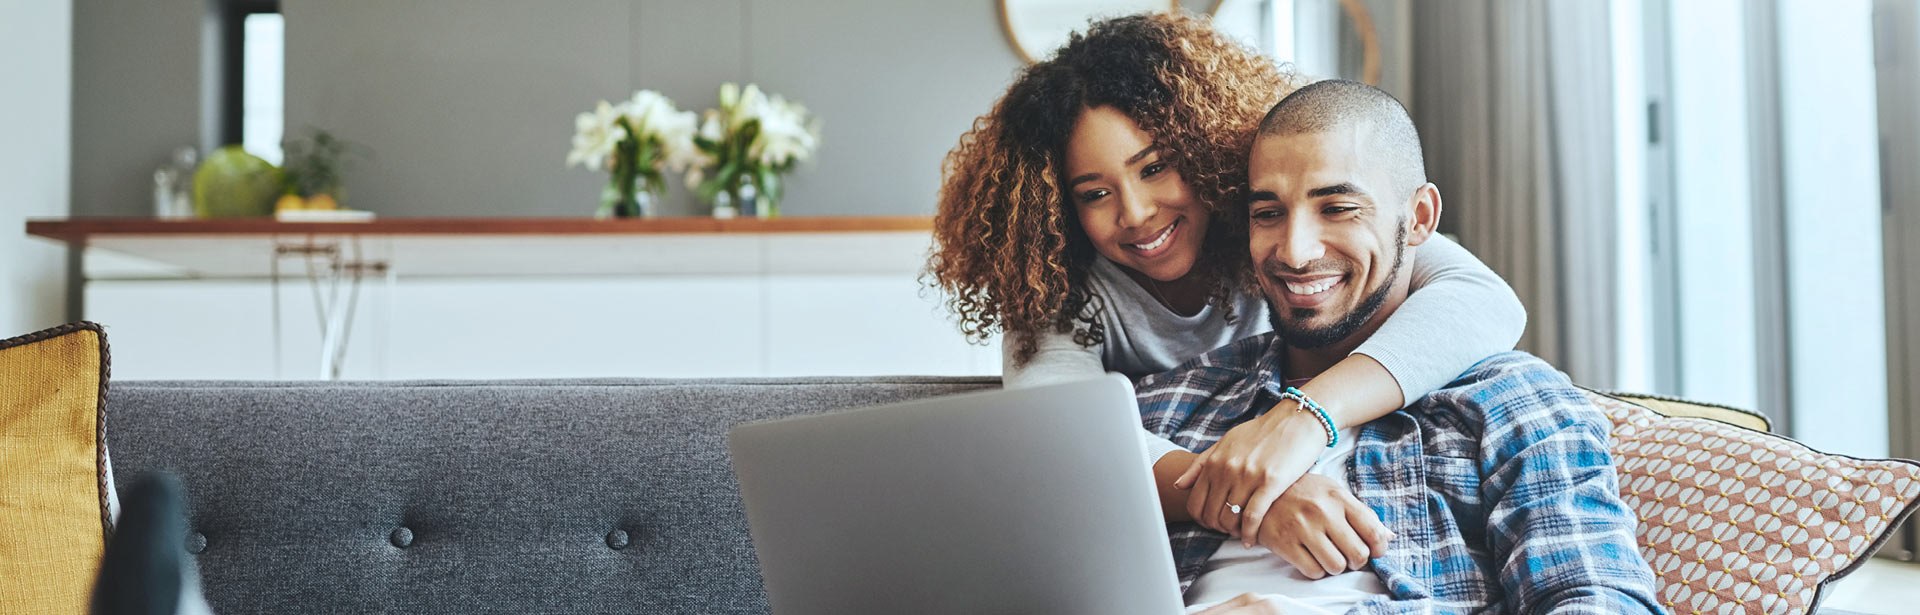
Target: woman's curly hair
x: 1010, y: 254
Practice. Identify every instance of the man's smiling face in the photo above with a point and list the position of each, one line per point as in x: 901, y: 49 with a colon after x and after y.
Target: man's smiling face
x: 1327, y: 232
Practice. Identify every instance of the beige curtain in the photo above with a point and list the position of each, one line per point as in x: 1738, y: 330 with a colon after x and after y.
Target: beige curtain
x: 1514, y: 101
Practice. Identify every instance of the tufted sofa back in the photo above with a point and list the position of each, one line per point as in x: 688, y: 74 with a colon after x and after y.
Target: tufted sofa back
x: 573, y: 496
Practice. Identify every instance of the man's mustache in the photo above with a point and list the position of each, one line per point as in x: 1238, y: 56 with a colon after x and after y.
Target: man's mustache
x: 1316, y: 267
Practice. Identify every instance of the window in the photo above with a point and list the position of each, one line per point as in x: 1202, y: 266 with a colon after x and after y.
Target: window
x: 1712, y: 215
x: 253, y: 64
x: 1836, y: 346
x: 1265, y: 25
x: 1775, y: 256
x: 1764, y: 271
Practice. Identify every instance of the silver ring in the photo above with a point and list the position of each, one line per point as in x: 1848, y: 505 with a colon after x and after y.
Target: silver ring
x: 1233, y: 508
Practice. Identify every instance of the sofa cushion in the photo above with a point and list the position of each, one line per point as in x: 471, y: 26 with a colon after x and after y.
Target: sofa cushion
x: 576, y: 496
x: 1736, y: 520
x: 55, y: 509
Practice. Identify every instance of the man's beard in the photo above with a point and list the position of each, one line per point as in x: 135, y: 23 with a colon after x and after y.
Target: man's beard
x: 1321, y: 337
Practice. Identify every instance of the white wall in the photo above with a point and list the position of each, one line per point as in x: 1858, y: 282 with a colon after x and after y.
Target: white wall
x: 36, y: 38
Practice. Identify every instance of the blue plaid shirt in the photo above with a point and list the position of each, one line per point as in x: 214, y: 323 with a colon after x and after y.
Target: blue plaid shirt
x: 1499, y: 487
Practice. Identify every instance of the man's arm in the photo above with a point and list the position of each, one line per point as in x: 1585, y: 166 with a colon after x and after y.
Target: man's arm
x: 1563, y: 539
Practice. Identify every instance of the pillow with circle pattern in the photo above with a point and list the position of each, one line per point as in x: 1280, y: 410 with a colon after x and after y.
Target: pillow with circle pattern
x: 1740, y: 521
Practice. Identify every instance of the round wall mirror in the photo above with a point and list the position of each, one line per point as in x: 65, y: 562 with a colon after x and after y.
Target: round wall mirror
x: 1038, y: 27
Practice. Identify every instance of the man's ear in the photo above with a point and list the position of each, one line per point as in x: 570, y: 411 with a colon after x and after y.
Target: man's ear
x: 1426, y: 214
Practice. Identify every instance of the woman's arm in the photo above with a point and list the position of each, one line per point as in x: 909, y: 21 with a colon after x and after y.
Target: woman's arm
x: 1173, y: 499
x: 1056, y: 359
x: 1457, y: 313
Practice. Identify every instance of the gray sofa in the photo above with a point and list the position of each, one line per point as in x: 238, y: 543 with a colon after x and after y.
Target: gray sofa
x: 568, y: 496
x: 574, y: 496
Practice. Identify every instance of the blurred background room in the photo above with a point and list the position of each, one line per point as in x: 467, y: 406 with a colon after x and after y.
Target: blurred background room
x: 1711, y: 199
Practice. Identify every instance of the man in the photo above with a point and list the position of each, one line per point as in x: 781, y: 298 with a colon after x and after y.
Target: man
x: 1498, y: 490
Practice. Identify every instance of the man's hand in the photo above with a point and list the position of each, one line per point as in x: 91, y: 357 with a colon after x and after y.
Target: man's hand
x: 1322, y: 529
x: 1250, y: 467
x: 1244, y: 604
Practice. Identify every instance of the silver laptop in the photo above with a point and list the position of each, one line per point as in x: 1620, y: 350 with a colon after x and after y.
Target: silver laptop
x: 1025, y: 501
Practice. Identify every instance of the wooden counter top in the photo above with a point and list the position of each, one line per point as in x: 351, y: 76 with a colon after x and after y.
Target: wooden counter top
x: 241, y: 248
x: 78, y: 230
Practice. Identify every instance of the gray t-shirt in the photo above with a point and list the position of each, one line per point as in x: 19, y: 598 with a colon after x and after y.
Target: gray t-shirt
x: 1146, y: 337
x: 1457, y: 313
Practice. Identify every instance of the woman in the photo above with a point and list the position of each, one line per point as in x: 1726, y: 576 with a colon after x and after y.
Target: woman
x: 1092, y: 219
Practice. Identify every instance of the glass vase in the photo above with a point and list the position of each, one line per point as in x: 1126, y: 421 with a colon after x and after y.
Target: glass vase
x: 723, y: 205
x: 744, y: 200
x: 612, y: 205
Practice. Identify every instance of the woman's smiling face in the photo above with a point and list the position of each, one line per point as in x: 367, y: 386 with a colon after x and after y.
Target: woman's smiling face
x: 1133, y: 205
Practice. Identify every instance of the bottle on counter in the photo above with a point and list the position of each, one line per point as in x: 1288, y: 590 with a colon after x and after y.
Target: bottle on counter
x: 173, y: 185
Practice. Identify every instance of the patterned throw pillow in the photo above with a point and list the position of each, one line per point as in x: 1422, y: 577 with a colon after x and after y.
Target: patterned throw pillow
x: 54, y: 486
x: 1738, y: 521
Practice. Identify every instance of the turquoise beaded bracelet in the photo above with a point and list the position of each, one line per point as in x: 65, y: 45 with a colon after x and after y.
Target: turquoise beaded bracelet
x: 1307, y: 403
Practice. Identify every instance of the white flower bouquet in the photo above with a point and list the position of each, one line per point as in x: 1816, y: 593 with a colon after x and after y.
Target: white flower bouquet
x: 636, y: 142
x: 747, y: 144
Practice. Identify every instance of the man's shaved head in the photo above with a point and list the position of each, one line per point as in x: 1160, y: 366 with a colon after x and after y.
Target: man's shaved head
x: 1337, y: 104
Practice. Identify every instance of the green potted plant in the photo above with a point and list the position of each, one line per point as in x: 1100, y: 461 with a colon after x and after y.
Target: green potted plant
x: 314, y: 169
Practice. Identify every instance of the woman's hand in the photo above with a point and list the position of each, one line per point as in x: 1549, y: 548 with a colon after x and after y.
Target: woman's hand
x: 1250, y: 467
x: 1322, y: 529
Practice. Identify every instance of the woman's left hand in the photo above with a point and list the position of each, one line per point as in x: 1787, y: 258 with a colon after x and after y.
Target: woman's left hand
x: 1251, y: 466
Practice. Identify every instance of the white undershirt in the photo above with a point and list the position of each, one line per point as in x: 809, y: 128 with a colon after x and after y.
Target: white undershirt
x: 1235, y: 570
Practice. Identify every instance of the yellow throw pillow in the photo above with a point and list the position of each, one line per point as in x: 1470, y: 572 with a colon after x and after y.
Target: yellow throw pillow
x: 54, y: 511
x: 1681, y: 408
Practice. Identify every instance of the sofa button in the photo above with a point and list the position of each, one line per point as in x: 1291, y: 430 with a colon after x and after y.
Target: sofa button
x: 196, y: 543
x: 401, y: 537
x: 617, y: 539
